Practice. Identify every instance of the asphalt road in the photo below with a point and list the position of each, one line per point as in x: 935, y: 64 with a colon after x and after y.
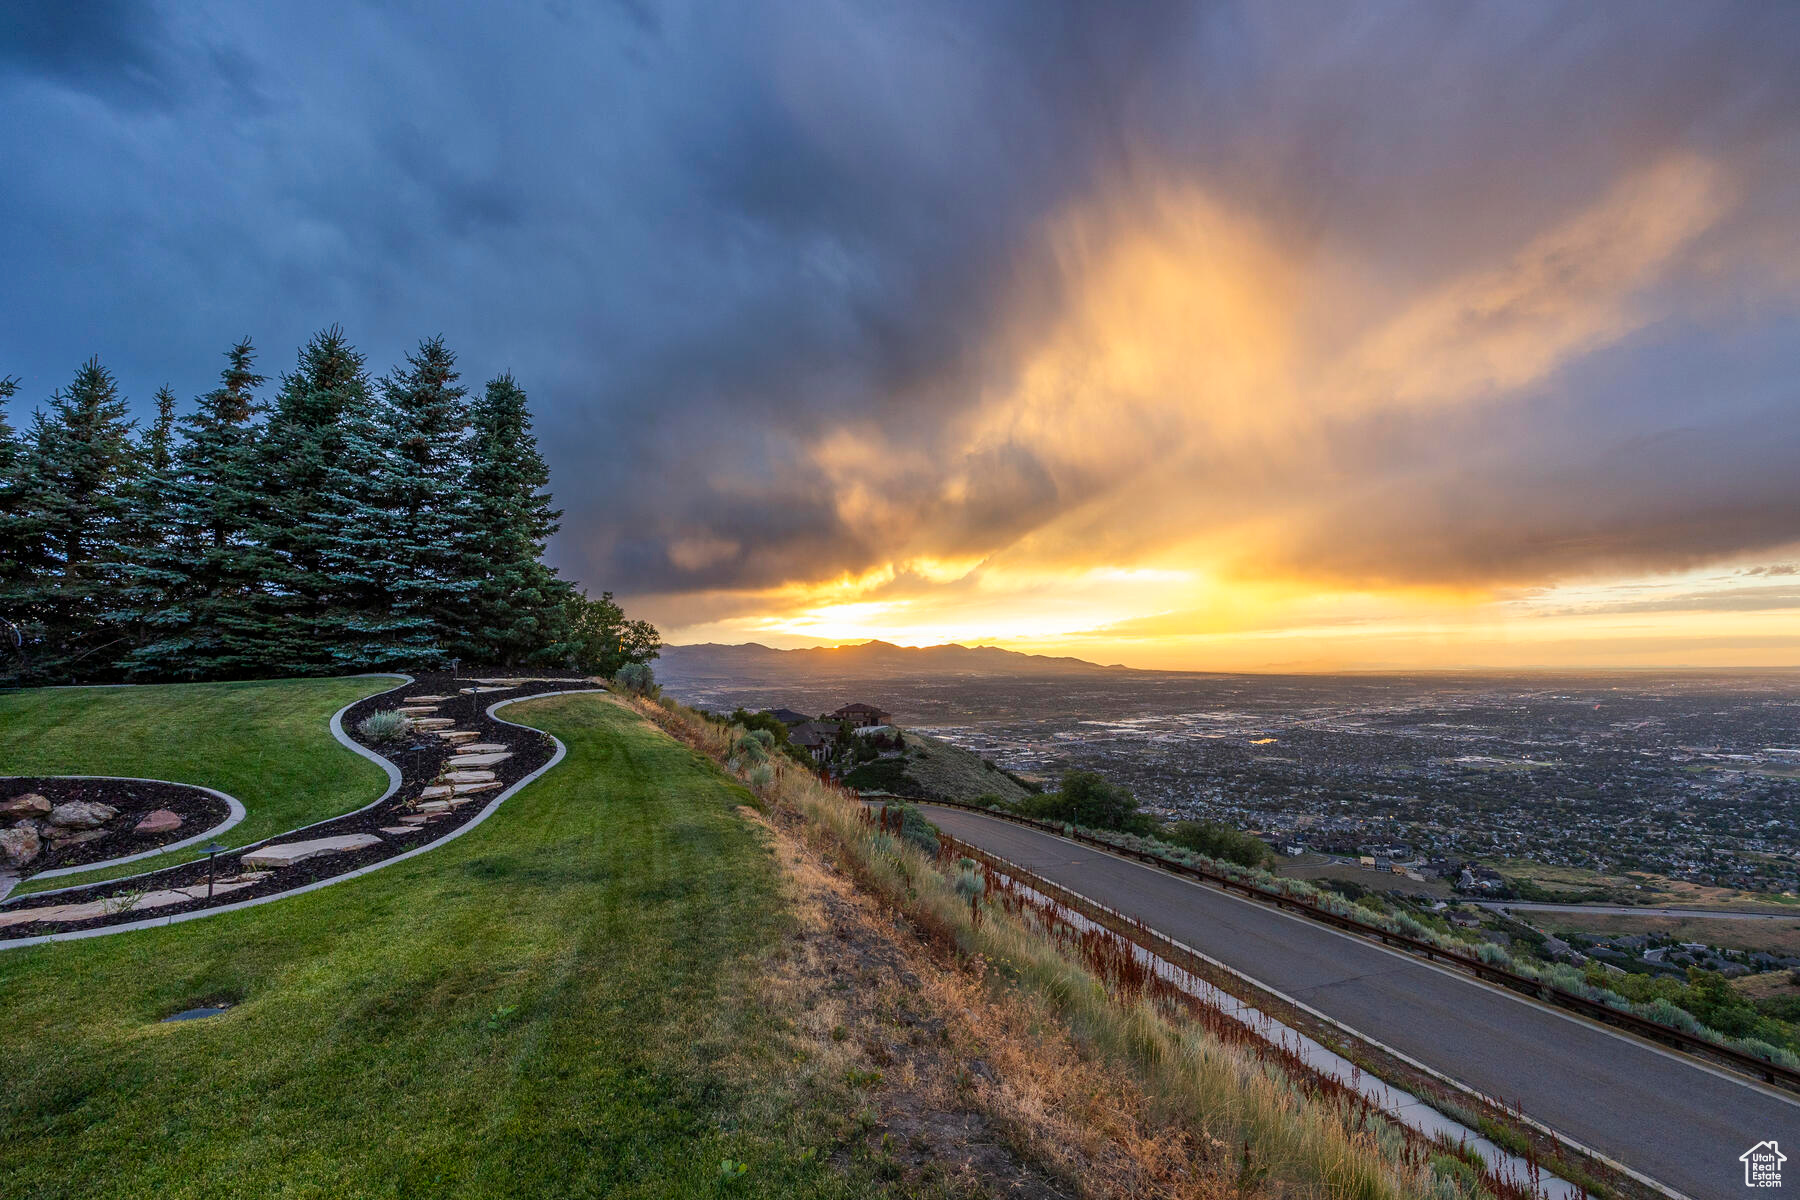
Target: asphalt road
x: 1664, y: 1116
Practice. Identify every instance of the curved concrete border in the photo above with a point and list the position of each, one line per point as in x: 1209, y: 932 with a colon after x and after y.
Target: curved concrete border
x: 232, y: 818
x: 237, y: 810
x: 484, y: 814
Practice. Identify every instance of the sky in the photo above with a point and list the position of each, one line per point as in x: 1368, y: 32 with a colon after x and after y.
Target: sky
x: 1210, y: 336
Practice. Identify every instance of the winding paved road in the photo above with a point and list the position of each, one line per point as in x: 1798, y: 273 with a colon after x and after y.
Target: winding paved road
x: 1665, y: 1116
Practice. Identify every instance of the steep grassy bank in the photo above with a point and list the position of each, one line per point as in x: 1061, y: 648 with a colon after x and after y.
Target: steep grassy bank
x: 1254, y: 1127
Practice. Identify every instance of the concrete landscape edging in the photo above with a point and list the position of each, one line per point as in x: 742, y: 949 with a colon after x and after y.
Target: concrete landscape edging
x: 484, y: 814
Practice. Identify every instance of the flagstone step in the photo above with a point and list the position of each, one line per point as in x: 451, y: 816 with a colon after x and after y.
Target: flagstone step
x: 428, y: 699
x: 292, y: 852
x: 479, y: 760
x: 399, y: 829
x: 467, y: 776
x: 433, y: 722
x: 470, y: 691
x: 416, y: 710
x: 455, y: 736
x: 481, y: 748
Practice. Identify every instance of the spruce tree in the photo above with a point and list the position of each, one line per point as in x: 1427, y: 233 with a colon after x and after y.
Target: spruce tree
x: 146, y: 586
x: 21, y: 544
x: 208, y: 625
x: 515, y: 614
x: 302, y: 614
x: 82, y: 459
x: 368, y: 547
x: 429, y: 415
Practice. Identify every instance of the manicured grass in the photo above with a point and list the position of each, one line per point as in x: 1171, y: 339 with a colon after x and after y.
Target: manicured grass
x: 264, y: 741
x: 562, y: 1002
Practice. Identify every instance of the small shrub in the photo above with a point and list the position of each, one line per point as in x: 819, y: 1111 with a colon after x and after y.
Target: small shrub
x: 761, y: 776
x: 384, y: 726
x: 637, y: 678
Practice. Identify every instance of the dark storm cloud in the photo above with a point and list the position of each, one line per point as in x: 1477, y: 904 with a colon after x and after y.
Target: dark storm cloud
x: 707, y: 238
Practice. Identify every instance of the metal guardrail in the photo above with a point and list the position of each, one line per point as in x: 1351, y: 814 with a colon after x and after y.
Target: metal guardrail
x: 1680, y: 1039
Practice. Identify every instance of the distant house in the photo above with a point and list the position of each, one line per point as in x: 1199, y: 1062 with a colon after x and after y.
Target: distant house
x: 788, y: 716
x: 860, y: 715
x: 815, y: 737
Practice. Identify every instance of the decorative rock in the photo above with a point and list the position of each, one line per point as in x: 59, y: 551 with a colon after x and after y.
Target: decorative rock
x: 82, y: 814
x: 29, y: 805
x: 468, y: 776
x: 160, y: 821
x: 294, y: 852
x: 19, y: 845
x: 480, y: 760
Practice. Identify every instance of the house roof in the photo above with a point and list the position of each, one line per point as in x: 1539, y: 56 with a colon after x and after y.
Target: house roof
x: 812, y: 733
x: 863, y: 708
x: 788, y: 716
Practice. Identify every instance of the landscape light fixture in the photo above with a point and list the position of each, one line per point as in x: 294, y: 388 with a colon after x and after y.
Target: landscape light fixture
x: 211, y: 849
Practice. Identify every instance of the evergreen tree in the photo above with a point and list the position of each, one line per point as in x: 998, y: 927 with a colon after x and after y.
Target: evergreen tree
x: 368, y: 549
x: 515, y: 614
x: 208, y: 625
x: 146, y: 586
x: 82, y: 460
x: 429, y: 416
x: 303, y: 613
x: 21, y: 554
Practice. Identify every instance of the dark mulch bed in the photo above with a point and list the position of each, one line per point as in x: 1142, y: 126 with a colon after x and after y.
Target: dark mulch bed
x: 198, y: 810
x: 420, y: 758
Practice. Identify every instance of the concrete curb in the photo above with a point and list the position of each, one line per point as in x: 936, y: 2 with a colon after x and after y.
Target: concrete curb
x: 484, y: 814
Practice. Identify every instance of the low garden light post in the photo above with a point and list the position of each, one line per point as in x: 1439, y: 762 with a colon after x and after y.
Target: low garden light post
x: 212, y: 849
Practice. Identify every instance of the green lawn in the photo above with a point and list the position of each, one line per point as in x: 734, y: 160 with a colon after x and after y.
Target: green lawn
x: 560, y: 1003
x: 265, y: 742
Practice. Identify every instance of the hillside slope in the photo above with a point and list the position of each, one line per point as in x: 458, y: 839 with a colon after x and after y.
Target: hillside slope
x: 936, y: 769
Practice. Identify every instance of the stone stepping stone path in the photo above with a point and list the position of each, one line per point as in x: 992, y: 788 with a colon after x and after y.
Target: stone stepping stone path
x: 480, y: 748
x: 429, y: 699
x: 292, y: 852
x: 479, y: 760
x: 434, y: 722
x: 468, y: 776
x: 417, y: 710
x: 63, y: 914
x: 457, y: 735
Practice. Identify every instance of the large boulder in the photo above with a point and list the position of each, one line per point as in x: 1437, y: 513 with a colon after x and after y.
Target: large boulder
x: 19, y: 845
x: 82, y: 814
x: 29, y: 805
